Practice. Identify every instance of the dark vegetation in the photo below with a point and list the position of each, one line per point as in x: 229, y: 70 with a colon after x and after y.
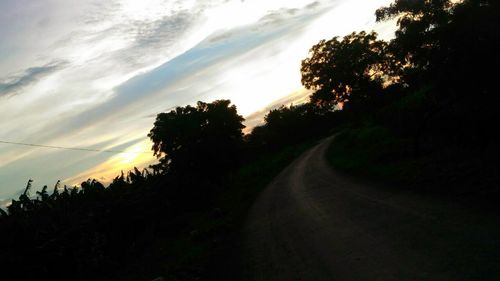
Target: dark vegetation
x: 174, y: 219
x: 433, y: 121
x: 421, y: 109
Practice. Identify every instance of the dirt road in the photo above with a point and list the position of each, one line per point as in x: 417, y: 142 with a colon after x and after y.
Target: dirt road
x: 313, y: 223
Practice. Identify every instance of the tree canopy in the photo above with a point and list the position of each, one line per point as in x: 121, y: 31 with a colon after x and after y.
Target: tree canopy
x: 426, y: 102
x: 198, y: 139
x: 419, y: 24
x: 342, y: 70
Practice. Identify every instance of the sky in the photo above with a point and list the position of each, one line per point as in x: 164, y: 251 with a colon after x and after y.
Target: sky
x: 94, y: 74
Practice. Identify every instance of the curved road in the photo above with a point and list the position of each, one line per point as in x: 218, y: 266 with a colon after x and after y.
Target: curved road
x: 313, y: 223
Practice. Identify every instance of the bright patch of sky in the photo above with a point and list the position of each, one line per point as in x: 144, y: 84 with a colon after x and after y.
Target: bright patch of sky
x: 94, y: 73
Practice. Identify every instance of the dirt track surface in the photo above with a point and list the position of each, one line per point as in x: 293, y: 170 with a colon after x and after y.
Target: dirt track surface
x: 313, y: 223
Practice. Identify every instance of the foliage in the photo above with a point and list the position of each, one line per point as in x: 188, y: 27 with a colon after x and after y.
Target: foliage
x: 362, y: 151
x: 289, y: 125
x: 83, y: 233
x: 198, y: 140
x: 163, y: 221
x: 419, y: 29
x: 442, y: 109
x: 422, y: 107
x: 345, y: 70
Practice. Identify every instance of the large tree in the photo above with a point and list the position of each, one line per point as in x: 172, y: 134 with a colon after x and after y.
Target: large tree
x: 419, y: 24
x: 454, y: 43
x: 204, y: 139
x: 340, y: 71
x: 448, y: 50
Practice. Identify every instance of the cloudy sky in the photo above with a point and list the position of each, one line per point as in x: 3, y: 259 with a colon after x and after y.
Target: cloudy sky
x: 94, y: 74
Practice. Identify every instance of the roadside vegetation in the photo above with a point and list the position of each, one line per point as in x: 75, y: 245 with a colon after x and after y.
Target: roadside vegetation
x: 431, y: 124
x: 421, y: 109
x: 178, y: 219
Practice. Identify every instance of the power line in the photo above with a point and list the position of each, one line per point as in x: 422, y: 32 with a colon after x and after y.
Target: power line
x: 72, y: 148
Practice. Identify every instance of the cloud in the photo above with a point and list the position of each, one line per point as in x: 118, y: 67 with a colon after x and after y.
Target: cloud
x: 284, y: 14
x: 144, y: 41
x: 126, y: 61
x: 15, y: 84
x: 257, y: 118
x: 196, y: 74
x: 200, y: 73
x: 4, y: 203
x: 171, y: 83
x: 106, y: 171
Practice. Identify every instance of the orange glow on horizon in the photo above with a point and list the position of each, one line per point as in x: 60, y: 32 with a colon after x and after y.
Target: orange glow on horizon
x: 107, y: 171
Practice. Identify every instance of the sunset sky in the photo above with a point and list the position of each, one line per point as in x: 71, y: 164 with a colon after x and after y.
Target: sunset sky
x: 94, y: 74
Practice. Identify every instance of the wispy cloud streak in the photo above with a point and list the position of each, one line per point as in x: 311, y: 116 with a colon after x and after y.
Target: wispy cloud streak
x: 95, y: 73
x: 15, y: 84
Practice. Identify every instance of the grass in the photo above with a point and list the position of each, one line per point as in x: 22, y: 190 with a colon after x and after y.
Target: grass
x: 377, y: 154
x: 373, y: 153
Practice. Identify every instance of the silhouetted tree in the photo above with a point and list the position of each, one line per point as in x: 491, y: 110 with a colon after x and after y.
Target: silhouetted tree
x: 198, y: 140
x: 55, y: 191
x: 118, y: 181
x: 446, y: 50
x: 341, y: 71
x: 137, y: 177
x: 420, y: 30
x: 43, y: 195
x: 24, y: 203
x: 90, y: 186
x: 292, y: 124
